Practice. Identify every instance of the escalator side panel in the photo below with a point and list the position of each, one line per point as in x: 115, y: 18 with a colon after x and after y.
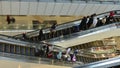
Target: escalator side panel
x: 32, y: 51
x: 12, y: 49
x: 22, y: 50
x: 27, y: 51
x: 7, y: 48
x: 17, y: 49
x: 1, y: 48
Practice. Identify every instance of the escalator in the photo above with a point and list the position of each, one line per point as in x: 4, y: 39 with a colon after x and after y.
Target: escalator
x: 17, y: 47
x: 17, y: 50
x: 61, y: 30
x: 109, y: 63
x: 26, y: 51
x: 10, y: 45
x: 86, y: 36
x: 12, y: 50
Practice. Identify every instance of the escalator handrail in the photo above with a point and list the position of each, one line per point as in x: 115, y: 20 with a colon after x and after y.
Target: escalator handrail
x: 24, y: 43
x: 6, y: 36
x: 17, y: 42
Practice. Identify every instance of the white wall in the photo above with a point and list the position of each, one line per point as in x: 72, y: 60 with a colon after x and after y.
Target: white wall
x: 28, y: 7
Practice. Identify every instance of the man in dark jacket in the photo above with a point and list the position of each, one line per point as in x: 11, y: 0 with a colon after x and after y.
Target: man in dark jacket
x: 90, y: 22
x: 82, y: 25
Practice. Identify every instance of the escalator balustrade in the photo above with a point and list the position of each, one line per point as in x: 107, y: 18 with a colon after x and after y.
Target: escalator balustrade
x: 31, y: 51
x: 17, y: 49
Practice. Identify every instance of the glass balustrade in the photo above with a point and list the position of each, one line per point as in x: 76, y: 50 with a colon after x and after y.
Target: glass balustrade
x: 94, y: 30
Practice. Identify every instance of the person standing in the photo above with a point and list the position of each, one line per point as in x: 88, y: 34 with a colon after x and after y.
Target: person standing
x: 41, y: 35
x: 53, y: 27
x: 8, y: 19
x: 82, y: 25
x: 59, y: 55
x: 111, y: 14
x: 24, y: 36
x: 90, y: 22
x: 12, y: 19
x: 99, y: 22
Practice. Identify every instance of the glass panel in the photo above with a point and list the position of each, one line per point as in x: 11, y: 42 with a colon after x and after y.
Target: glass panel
x: 27, y: 51
x: 85, y: 32
x: 12, y: 49
x: 22, y: 50
x: 7, y: 48
x: 17, y: 49
x: 32, y: 51
x: 1, y: 48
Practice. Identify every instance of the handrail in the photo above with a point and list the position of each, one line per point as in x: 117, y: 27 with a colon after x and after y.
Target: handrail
x: 17, y: 42
x: 66, y: 23
x: 10, y: 40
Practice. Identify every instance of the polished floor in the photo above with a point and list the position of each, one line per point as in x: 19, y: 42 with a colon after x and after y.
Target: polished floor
x: 25, y: 22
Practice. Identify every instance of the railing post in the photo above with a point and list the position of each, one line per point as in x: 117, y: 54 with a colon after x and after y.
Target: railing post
x: 52, y: 62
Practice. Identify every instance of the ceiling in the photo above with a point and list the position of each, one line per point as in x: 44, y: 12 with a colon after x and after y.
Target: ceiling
x: 52, y: 8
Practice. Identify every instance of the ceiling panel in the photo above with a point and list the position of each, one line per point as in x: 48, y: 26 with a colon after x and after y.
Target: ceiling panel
x: 109, y: 8
x: 93, y: 9
x: 6, y: 7
x: 65, y: 8
x: 41, y: 8
x: 57, y: 8
x: 32, y: 8
x: 116, y: 7
x: 87, y: 9
x: 79, y: 10
x: 72, y: 9
x: 15, y: 8
x: 101, y: 9
x: 0, y: 8
x: 49, y: 8
x: 24, y: 8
